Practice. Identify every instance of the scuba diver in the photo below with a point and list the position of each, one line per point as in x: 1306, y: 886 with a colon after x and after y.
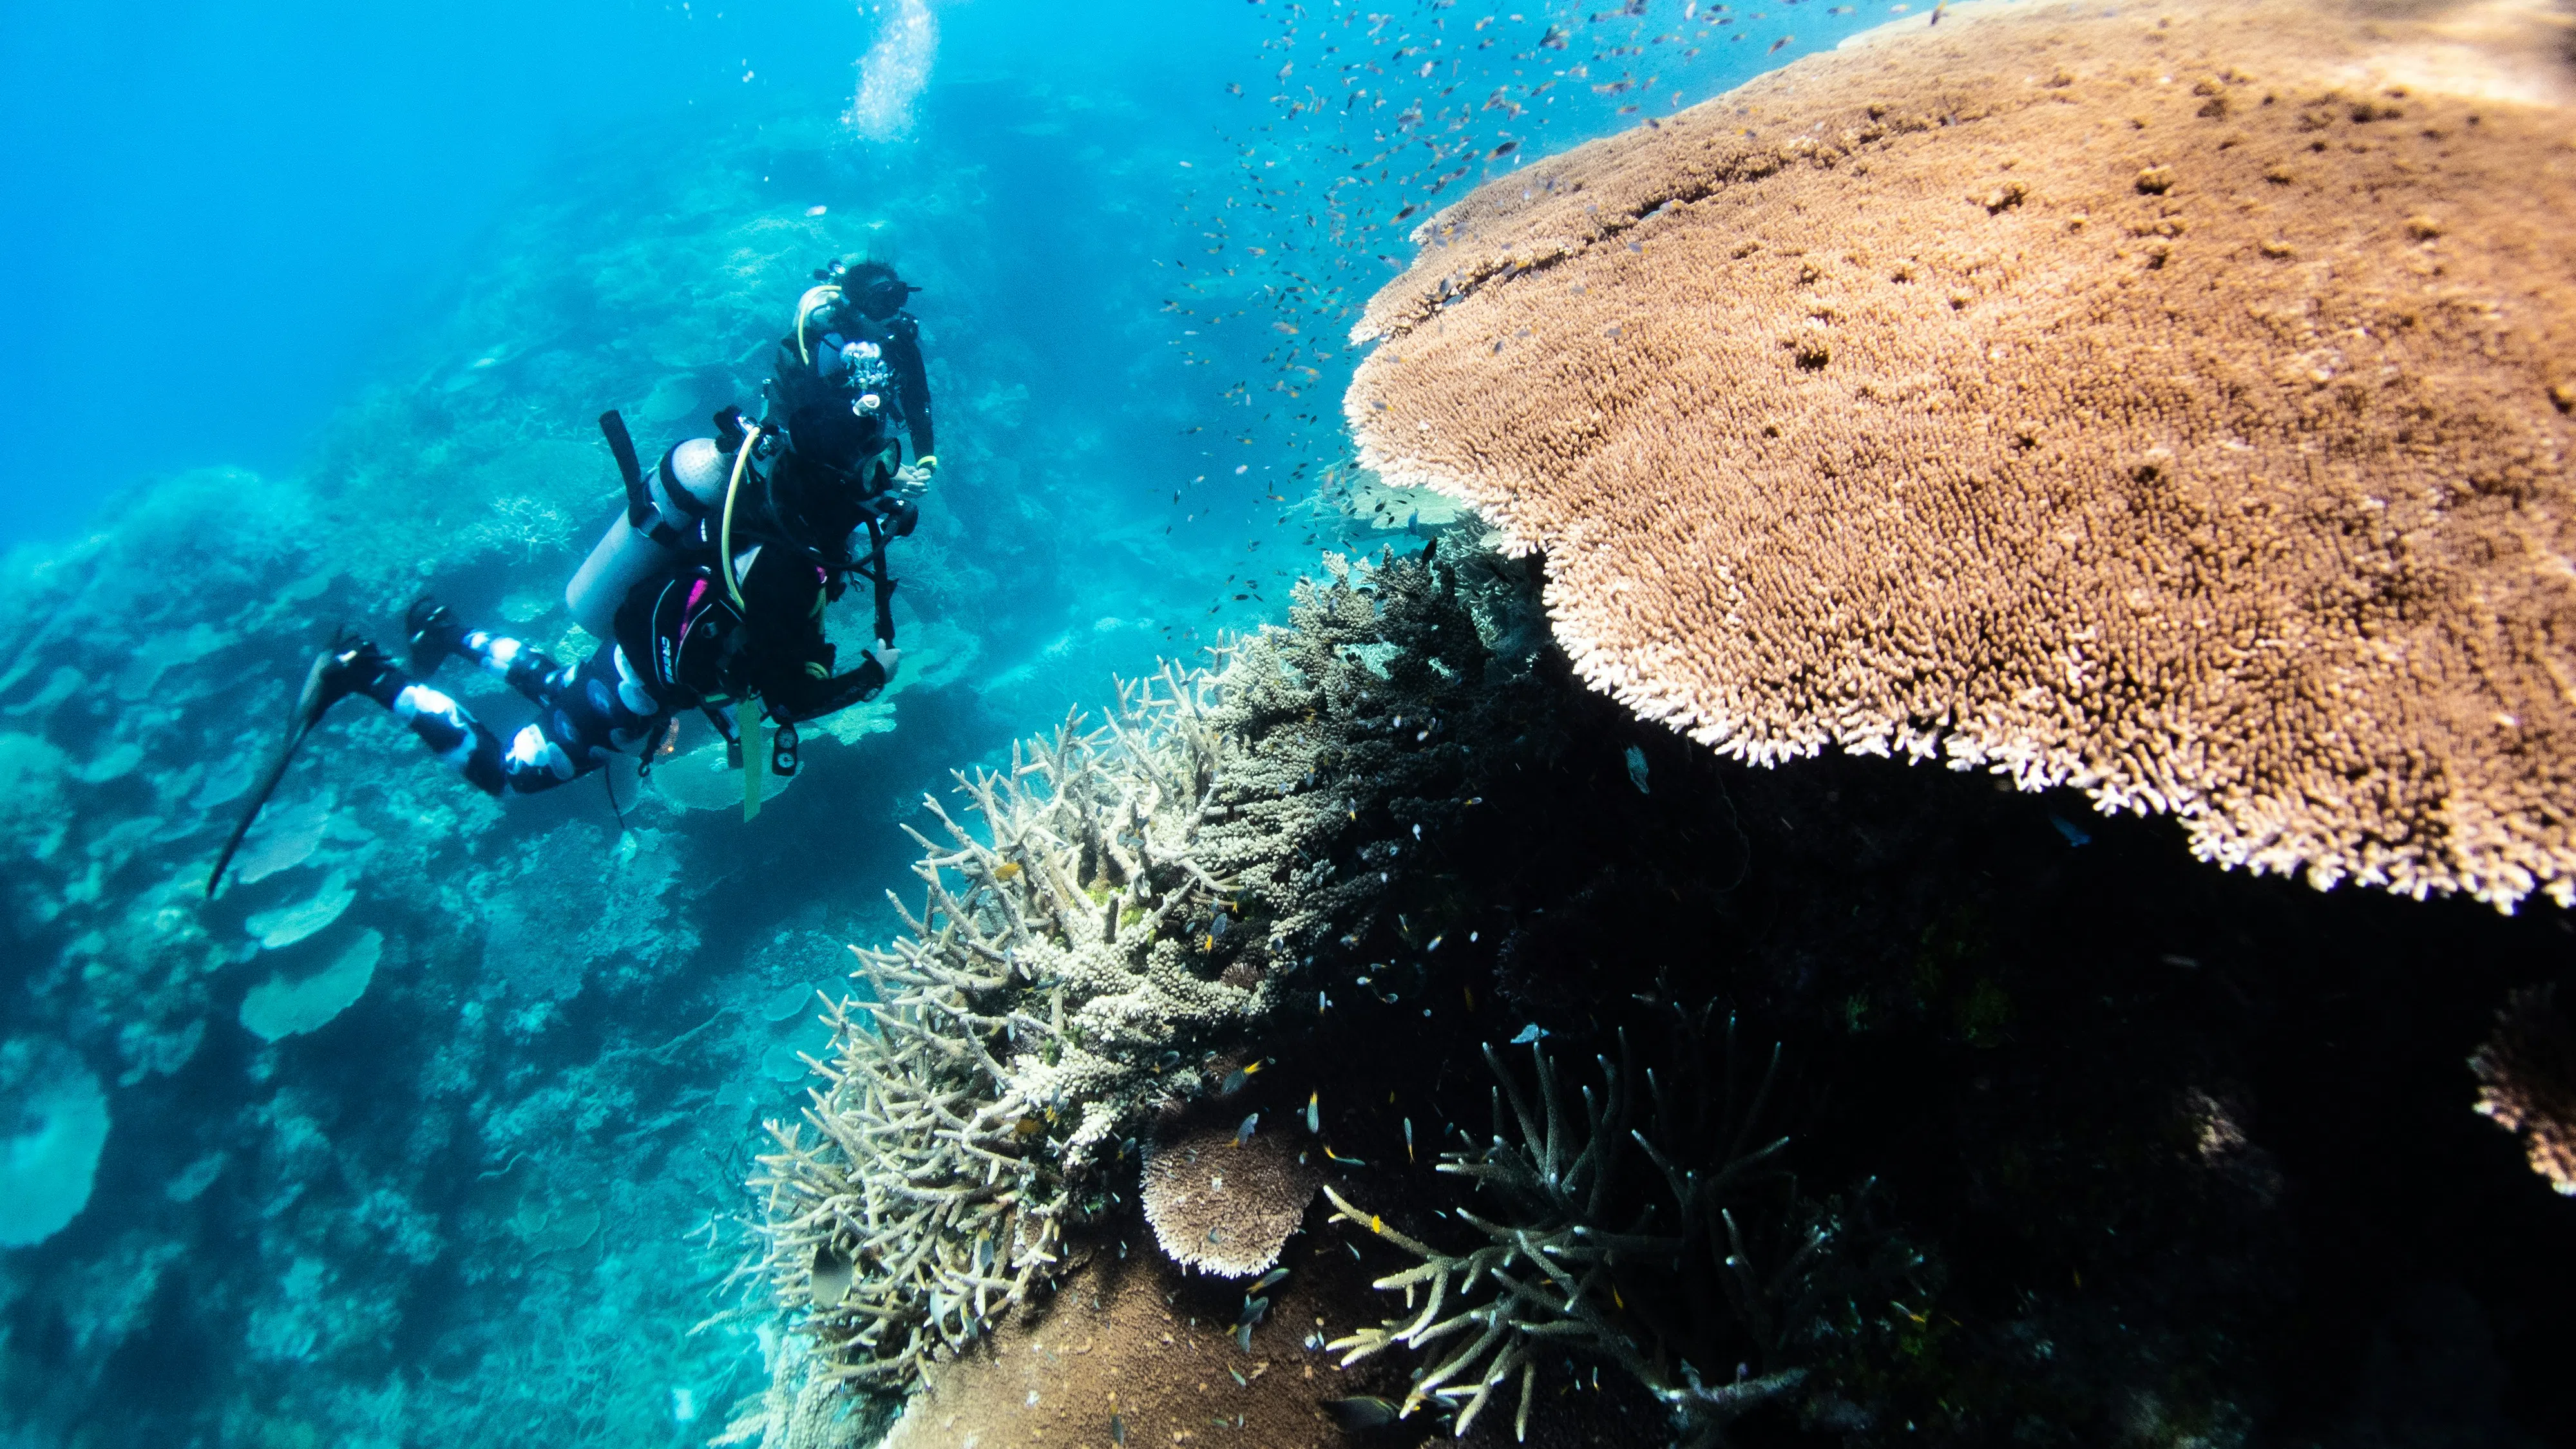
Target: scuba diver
x: 856, y: 349
x: 708, y: 590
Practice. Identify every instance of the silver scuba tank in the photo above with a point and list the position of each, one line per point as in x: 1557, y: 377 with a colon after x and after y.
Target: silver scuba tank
x: 686, y: 488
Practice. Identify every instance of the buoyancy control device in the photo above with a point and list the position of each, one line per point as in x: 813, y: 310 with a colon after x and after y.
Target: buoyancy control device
x: 667, y: 513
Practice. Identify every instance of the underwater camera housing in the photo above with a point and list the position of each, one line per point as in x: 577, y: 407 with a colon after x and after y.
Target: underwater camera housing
x: 663, y: 511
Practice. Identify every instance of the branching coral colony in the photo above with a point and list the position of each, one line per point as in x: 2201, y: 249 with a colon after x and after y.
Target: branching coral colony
x: 1127, y: 910
x: 1695, y: 1250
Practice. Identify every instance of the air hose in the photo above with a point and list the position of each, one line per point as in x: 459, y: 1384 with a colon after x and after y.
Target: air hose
x: 814, y: 300
x: 741, y: 460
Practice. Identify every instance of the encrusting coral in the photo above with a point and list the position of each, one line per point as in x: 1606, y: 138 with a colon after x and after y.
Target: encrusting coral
x: 2526, y: 1073
x: 1588, y: 1250
x: 2171, y: 402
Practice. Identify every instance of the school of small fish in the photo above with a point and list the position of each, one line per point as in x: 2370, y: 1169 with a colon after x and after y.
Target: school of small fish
x: 1362, y: 118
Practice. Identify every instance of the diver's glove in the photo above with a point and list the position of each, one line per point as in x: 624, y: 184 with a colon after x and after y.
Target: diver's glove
x: 913, y: 479
x: 818, y: 694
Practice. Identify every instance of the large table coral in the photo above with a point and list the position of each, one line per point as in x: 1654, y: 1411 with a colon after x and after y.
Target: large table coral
x: 2169, y: 401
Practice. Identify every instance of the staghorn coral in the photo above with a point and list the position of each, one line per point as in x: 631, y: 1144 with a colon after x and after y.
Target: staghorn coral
x: 1365, y: 723
x: 1225, y: 1202
x: 1125, y: 914
x: 1651, y: 1270
x: 1027, y: 1018
x: 2173, y: 406
x: 2526, y: 1073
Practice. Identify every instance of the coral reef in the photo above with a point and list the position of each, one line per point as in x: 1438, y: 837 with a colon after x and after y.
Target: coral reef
x: 55, y: 1120
x: 1723, y: 1265
x: 1125, y: 914
x: 1224, y: 1199
x: 1962, y: 394
x: 2085, y: 1077
x: 2526, y: 1072
x: 1009, y: 1039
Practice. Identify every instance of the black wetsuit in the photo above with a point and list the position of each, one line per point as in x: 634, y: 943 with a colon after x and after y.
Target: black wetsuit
x: 828, y: 379
x: 679, y: 643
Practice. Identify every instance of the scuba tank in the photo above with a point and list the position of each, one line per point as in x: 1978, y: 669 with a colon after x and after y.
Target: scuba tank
x: 666, y: 513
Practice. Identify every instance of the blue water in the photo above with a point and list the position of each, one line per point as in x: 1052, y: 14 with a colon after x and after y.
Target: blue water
x: 311, y: 308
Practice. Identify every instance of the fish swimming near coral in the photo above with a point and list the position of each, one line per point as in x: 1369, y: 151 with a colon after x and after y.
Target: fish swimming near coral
x: 1362, y: 1411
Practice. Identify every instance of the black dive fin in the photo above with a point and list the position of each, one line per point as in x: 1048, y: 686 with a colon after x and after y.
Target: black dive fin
x: 309, y: 706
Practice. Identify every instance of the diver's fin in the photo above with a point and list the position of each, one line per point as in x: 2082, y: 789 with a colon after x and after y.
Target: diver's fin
x: 309, y: 706
x: 350, y: 666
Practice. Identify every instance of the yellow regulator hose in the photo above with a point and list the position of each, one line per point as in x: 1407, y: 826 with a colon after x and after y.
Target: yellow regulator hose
x: 733, y: 486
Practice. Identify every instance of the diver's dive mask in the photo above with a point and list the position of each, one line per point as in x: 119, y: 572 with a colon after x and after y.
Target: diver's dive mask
x: 880, y: 297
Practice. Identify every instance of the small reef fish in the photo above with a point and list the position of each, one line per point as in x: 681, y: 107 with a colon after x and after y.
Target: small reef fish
x: 1637, y: 769
x: 1362, y: 1411
x: 1314, y: 1117
x: 1008, y: 870
x: 2073, y: 832
x: 1529, y: 1035
x: 1243, y: 1134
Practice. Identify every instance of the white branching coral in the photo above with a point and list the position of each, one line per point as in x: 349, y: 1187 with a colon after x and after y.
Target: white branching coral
x: 1363, y: 725
x: 1034, y: 1007
x: 1118, y: 914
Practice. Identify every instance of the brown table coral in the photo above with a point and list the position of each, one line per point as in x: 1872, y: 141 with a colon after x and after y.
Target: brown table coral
x: 2170, y: 402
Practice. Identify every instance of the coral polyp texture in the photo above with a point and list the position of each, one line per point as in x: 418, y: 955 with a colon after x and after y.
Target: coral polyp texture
x: 2170, y: 402
x: 2526, y: 1073
x: 1224, y: 1200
